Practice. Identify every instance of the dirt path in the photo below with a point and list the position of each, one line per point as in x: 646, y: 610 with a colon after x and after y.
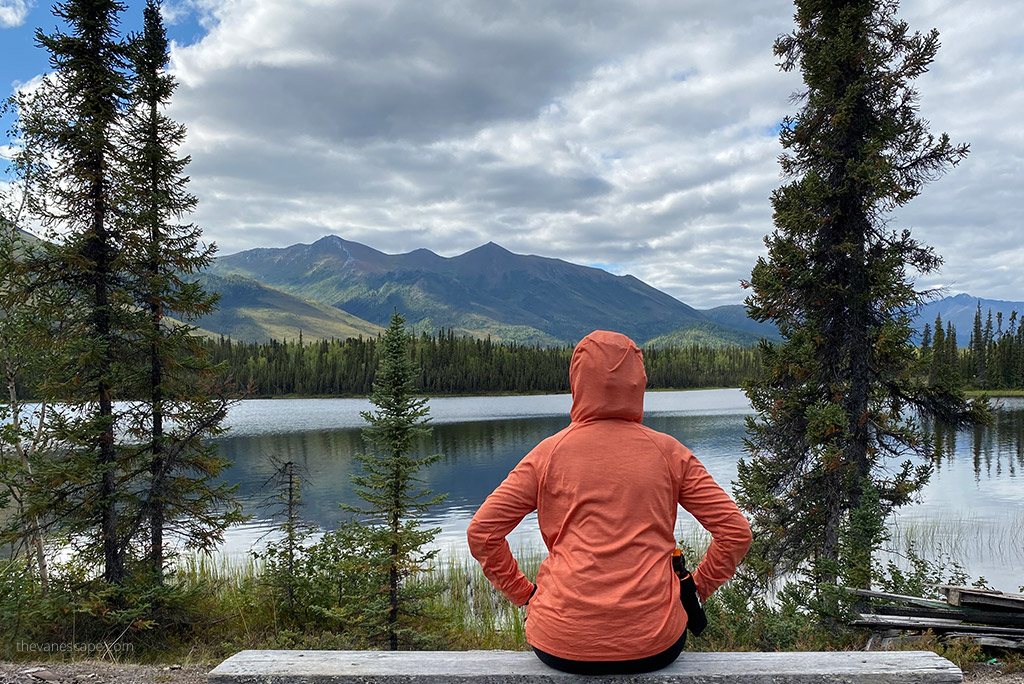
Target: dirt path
x: 100, y: 672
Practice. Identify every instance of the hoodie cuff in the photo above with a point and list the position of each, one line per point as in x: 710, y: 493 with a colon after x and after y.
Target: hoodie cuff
x: 704, y: 590
x: 523, y: 592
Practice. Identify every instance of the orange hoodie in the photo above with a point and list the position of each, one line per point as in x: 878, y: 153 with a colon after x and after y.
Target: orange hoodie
x: 605, y: 490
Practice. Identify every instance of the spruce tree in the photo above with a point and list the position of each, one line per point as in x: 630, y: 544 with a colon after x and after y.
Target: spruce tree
x: 954, y: 361
x: 840, y: 396
x: 937, y: 371
x: 175, y: 378
x: 390, y: 487
x: 978, y: 349
x: 68, y: 127
x: 926, y: 349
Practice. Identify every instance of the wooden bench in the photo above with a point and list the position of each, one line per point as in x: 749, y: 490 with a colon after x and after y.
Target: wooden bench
x: 515, y: 667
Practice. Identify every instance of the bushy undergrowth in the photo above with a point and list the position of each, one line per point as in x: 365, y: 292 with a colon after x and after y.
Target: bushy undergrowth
x: 78, y: 615
x: 209, y: 610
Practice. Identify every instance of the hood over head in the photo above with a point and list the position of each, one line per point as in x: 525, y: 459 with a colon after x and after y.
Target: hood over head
x: 607, y: 378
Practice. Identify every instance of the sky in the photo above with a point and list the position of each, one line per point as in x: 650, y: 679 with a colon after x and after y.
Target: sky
x: 639, y: 137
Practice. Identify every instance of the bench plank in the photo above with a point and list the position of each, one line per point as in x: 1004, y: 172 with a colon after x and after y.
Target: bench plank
x: 516, y: 667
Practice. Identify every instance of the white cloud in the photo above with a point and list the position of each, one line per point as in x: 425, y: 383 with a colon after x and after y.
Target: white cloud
x: 13, y: 12
x: 639, y: 134
x: 174, y: 12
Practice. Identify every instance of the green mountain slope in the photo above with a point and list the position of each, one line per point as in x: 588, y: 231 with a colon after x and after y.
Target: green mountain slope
x: 486, y: 291
x: 708, y: 334
x: 253, y: 312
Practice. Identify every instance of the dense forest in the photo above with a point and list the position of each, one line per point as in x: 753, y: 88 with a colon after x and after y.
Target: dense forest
x: 451, y: 364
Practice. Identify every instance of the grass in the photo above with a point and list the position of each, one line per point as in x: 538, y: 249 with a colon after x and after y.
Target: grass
x: 478, y: 615
x: 996, y: 393
x: 227, y: 606
x: 960, y: 540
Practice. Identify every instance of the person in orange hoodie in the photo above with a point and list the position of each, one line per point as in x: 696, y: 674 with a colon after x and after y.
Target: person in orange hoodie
x: 605, y: 489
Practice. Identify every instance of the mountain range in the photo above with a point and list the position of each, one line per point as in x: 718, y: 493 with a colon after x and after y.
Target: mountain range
x: 339, y: 288
x: 336, y: 288
x: 486, y: 291
x: 960, y: 311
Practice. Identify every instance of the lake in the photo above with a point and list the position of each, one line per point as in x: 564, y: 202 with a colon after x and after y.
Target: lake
x: 973, y: 508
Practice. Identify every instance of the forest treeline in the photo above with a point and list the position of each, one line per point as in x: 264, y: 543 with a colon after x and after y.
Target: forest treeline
x: 992, y: 360
x: 451, y: 364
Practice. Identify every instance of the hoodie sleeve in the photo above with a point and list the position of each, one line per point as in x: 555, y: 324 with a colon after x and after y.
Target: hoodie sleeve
x: 715, y: 510
x: 497, y: 516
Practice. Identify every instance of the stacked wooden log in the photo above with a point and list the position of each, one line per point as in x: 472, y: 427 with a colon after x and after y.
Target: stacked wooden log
x: 991, y: 618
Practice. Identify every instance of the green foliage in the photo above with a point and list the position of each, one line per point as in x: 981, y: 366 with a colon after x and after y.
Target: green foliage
x: 394, y: 499
x: 33, y: 316
x: 839, y: 399
x: 863, y: 534
x: 223, y: 606
x: 283, y: 557
x: 740, y: 621
x: 918, y: 576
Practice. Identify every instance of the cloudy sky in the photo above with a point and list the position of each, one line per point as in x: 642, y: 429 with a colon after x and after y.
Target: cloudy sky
x: 638, y: 136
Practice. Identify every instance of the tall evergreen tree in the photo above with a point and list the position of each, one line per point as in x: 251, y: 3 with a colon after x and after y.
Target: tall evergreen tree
x: 179, y: 492
x: 978, y: 349
x: 988, y: 350
x: 389, y: 486
x: 71, y: 123
x: 955, y: 372
x: 838, y: 395
x: 926, y: 348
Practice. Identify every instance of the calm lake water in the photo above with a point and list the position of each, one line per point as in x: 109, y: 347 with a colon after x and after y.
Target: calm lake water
x: 973, y: 508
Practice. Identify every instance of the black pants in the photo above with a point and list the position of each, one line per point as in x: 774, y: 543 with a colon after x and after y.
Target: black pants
x: 586, y: 667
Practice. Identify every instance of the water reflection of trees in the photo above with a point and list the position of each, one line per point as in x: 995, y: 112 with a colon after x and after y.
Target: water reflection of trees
x: 477, y: 457
x: 996, y: 450
x: 325, y: 456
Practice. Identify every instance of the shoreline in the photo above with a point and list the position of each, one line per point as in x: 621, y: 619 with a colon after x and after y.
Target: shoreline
x: 992, y: 394
x: 472, y: 395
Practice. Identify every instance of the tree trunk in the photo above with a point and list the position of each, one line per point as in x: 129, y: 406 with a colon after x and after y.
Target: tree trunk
x: 98, y: 250
x: 157, y: 463
x: 396, y: 505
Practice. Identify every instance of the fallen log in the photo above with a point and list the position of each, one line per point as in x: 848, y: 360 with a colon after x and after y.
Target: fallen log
x: 873, y: 621
x: 987, y: 640
x: 965, y: 614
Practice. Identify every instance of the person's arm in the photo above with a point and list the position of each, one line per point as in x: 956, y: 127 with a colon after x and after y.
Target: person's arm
x: 497, y: 516
x: 715, y: 510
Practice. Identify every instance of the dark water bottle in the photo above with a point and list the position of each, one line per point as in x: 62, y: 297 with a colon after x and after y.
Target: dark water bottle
x: 696, y: 619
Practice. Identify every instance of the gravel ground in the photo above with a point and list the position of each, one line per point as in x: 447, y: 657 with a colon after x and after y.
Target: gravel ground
x: 101, y: 672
